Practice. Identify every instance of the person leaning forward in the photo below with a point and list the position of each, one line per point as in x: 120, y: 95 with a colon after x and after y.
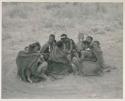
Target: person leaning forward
x: 48, y: 47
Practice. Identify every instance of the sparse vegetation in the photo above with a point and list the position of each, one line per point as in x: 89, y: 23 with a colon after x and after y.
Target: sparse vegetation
x: 23, y: 23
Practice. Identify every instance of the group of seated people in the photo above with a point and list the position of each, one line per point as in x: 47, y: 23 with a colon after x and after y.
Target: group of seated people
x: 55, y: 59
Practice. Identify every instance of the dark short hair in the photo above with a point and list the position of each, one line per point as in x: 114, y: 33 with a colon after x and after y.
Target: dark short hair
x: 63, y: 35
x: 85, y: 42
x: 33, y: 45
x: 59, y: 44
x: 97, y: 42
x: 38, y: 44
x: 90, y: 37
x: 52, y: 35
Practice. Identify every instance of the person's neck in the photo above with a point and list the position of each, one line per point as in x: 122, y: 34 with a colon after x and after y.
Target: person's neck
x: 50, y: 43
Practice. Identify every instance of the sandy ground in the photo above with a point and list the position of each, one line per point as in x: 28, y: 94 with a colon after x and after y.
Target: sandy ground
x: 24, y: 23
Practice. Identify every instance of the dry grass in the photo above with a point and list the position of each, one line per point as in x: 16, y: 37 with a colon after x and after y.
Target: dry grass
x: 24, y: 23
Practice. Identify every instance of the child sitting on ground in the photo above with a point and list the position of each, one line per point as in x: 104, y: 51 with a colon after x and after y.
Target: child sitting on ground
x: 87, y: 53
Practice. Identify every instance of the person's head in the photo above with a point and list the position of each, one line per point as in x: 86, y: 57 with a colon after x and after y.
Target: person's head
x: 89, y: 39
x: 26, y: 49
x: 34, y: 47
x: 37, y: 46
x: 63, y: 37
x: 96, y: 44
x: 85, y: 44
x: 59, y: 44
x: 51, y: 38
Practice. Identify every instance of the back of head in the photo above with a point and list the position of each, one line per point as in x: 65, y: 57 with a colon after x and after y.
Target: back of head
x: 52, y: 35
x: 86, y: 43
x: 63, y: 36
x: 34, y: 47
x: 59, y: 44
x: 38, y: 45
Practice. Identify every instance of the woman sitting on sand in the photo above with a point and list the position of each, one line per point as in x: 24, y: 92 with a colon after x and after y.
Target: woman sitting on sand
x: 31, y: 65
x: 91, y: 60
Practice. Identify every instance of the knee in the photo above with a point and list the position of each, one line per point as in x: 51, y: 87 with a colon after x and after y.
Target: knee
x: 74, y: 68
x: 75, y: 60
x: 69, y: 57
x: 44, y: 64
x: 43, y: 67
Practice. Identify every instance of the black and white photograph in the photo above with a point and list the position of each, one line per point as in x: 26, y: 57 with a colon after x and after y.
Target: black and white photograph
x: 62, y: 50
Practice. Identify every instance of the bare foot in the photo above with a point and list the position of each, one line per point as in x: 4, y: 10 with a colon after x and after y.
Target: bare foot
x: 30, y: 81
